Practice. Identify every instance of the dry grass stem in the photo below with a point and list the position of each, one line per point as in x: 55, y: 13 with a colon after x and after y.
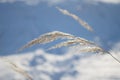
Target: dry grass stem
x: 63, y: 44
x: 21, y: 71
x: 84, y: 41
x: 92, y: 49
x: 75, y: 41
x: 79, y: 20
x: 48, y: 37
x: 16, y: 68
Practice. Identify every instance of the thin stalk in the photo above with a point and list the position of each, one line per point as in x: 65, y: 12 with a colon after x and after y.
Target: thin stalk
x: 113, y: 57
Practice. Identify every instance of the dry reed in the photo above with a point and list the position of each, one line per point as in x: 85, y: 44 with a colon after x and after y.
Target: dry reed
x: 47, y: 37
x: 16, y: 68
x: 91, y: 49
x: 75, y: 41
x: 79, y: 20
x: 72, y: 40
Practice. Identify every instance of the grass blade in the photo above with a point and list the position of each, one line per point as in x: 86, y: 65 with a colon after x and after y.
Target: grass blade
x: 16, y: 68
x: 75, y: 41
x: 47, y: 37
x: 79, y: 20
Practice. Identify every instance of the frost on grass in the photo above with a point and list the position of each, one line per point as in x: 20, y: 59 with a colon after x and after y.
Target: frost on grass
x: 79, y: 20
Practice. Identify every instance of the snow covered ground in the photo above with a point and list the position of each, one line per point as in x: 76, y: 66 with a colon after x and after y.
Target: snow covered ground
x: 69, y: 66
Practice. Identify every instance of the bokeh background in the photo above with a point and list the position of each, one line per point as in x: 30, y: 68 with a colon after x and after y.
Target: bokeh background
x: 23, y: 20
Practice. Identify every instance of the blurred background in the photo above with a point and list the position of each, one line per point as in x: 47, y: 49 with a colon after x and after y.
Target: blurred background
x: 23, y: 20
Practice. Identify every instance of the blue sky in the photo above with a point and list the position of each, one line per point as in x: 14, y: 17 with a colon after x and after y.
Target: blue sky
x: 24, y: 20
